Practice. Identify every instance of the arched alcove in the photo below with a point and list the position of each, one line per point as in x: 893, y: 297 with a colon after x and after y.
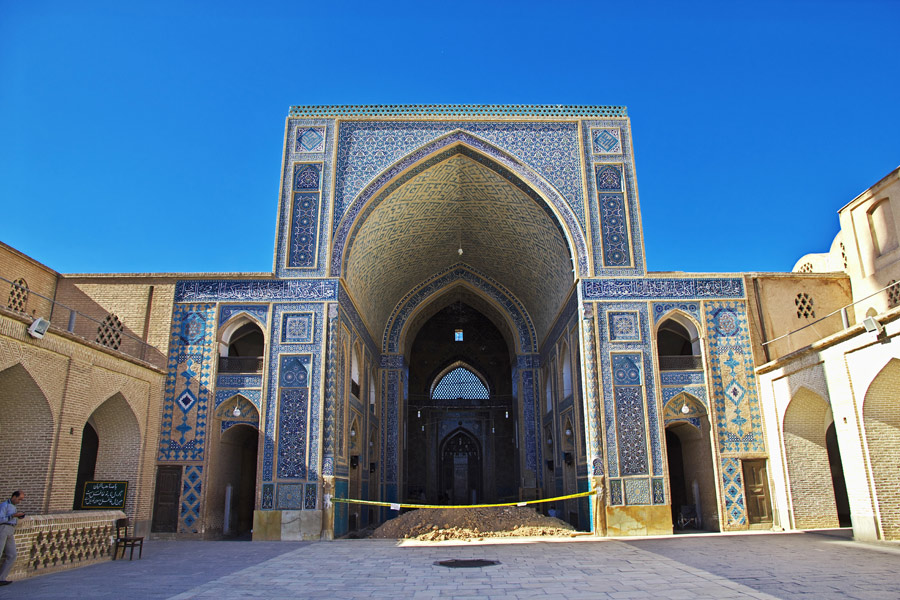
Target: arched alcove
x: 242, y: 345
x: 881, y: 415
x: 26, y: 437
x: 812, y: 494
x: 119, y: 446
x: 678, y: 343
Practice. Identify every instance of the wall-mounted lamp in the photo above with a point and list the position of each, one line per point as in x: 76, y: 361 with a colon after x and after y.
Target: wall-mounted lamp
x: 568, y: 433
x: 507, y: 414
x: 352, y: 433
x: 872, y: 326
x: 419, y: 414
x: 685, y: 409
x: 549, y: 441
x: 237, y: 411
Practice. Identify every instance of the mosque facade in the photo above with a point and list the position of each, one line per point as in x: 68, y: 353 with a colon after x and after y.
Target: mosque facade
x: 459, y: 312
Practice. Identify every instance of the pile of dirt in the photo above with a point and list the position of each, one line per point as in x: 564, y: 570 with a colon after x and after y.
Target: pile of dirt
x: 440, y: 524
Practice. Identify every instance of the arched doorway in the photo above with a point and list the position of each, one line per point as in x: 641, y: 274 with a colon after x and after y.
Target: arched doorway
x: 461, y: 468
x: 234, y: 447
x: 460, y: 379
x: 458, y: 229
x: 692, y: 482
x: 882, y: 424
x: 87, y: 462
x: 26, y: 433
x: 241, y: 346
x: 812, y: 491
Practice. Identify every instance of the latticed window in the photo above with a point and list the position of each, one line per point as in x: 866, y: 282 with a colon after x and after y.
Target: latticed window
x: 460, y: 383
x: 109, y: 333
x: 893, y: 294
x: 804, y: 304
x: 18, y: 295
x: 806, y: 268
x: 844, y: 255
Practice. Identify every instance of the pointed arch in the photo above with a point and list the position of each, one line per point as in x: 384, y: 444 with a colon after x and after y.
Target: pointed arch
x: 227, y: 330
x: 27, y: 430
x: 513, y: 311
x: 805, y: 423
x: 688, y: 322
x: 881, y: 418
x: 446, y: 372
x: 120, y: 444
x: 506, y: 165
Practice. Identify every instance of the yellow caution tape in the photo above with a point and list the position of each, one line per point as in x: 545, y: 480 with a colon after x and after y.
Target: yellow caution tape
x: 396, y: 506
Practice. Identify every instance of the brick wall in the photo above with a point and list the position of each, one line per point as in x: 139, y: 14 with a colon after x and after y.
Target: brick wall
x: 882, y: 423
x: 40, y: 279
x: 812, y: 493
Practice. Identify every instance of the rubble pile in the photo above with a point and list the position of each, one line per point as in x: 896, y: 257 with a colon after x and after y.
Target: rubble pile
x: 440, y: 524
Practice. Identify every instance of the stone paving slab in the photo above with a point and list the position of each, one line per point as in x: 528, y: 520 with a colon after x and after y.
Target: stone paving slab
x: 783, y: 566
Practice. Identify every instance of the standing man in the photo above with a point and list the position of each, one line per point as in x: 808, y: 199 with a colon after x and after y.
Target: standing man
x: 9, y: 516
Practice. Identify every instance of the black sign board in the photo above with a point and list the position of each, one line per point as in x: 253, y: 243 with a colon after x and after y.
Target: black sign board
x: 104, y: 494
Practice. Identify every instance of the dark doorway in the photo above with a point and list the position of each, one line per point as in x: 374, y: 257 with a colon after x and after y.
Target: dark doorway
x: 461, y: 469
x: 168, y: 497
x: 237, y: 470
x: 675, y: 458
x: 87, y: 462
x: 841, y: 501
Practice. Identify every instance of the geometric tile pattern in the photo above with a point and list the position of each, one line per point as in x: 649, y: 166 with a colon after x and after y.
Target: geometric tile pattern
x: 329, y: 425
x: 191, y: 348
x: 626, y: 369
x: 310, y: 496
x: 681, y: 377
x: 297, y: 328
x: 735, y: 510
x: 309, y: 139
x: 304, y: 231
x: 659, y: 492
x: 637, y: 491
x: 260, y: 311
x: 594, y: 442
x: 606, y: 140
x: 292, y: 433
x: 190, y: 499
x: 254, y: 396
x: 609, y: 178
x: 615, y: 492
x: 289, y: 496
x: 663, y: 308
x: 268, y: 496
x: 614, y: 225
x: 529, y: 398
x: 630, y: 426
x: 733, y: 379
x: 623, y: 327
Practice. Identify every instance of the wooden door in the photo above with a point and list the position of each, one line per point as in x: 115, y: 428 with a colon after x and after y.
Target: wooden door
x: 168, y: 497
x: 756, y: 488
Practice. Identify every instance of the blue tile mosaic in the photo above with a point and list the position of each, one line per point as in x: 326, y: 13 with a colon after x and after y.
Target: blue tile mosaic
x: 239, y: 381
x: 355, y: 186
x: 631, y: 434
x: 681, y: 377
x: 260, y: 312
x: 304, y: 237
x: 627, y: 369
x: 637, y: 491
x: 735, y: 509
x: 293, y: 407
x: 623, y: 326
x: 191, y: 493
x: 609, y: 178
x: 254, y: 396
x: 614, y: 227
x: 309, y: 139
x: 606, y: 140
x: 615, y: 492
x: 310, y: 496
x: 188, y: 383
x: 659, y: 490
x: 649, y: 289
x: 268, y: 496
x: 661, y: 309
x: 297, y: 328
x: 289, y: 496
x: 268, y: 290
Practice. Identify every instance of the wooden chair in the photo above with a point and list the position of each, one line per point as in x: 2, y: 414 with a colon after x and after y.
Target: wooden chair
x: 124, y: 541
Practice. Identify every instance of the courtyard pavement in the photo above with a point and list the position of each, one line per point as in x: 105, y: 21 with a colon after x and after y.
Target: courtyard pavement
x: 785, y: 566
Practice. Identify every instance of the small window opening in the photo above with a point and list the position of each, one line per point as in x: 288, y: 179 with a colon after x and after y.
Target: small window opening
x: 458, y: 335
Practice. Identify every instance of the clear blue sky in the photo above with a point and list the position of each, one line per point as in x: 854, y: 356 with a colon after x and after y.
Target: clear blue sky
x: 148, y: 135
